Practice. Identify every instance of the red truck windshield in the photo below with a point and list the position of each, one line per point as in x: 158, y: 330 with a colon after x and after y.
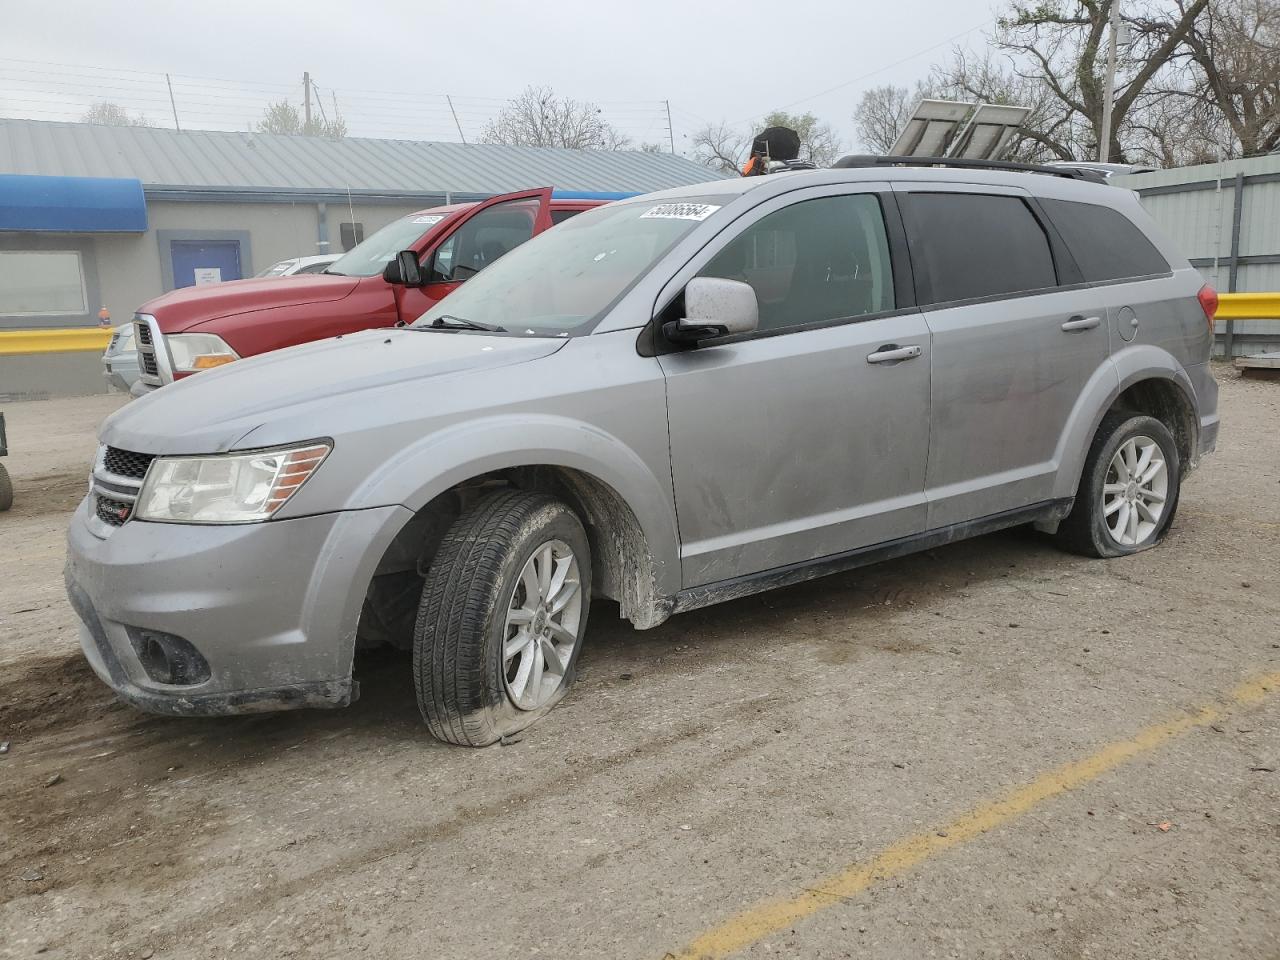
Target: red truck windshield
x: 369, y: 258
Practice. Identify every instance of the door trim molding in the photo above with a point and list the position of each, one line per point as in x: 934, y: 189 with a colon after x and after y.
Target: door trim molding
x: 737, y: 587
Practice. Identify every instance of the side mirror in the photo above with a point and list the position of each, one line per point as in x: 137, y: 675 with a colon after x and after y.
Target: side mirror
x: 714, y: 307
x: 403, y: 269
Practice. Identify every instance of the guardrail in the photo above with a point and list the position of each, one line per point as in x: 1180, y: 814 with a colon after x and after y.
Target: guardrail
x: 1231, y: 306
x: 73, y: 340
x: 1248, y: 306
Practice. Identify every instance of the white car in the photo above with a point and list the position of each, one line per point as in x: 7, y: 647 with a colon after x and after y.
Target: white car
x: 287, y: 268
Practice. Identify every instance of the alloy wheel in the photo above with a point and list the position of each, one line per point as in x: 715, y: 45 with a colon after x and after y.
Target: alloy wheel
x: 542, y: 625
x: 1135, y: 491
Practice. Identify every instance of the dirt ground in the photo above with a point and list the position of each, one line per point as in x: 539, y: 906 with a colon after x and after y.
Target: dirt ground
x: 737, y: 755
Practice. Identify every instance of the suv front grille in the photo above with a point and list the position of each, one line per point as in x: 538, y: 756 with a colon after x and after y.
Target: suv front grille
x: 148, y: 361
x: 125, y: 463
x: 114, y: 512
x: 117, y: 481
x: 144, y: 333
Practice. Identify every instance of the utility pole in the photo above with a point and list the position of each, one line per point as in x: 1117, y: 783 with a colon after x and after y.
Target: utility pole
x: 1108, y: 104
x: 455, y: 118
x: 172, y: 103
x: 671, y: 136
x: 306, y: 101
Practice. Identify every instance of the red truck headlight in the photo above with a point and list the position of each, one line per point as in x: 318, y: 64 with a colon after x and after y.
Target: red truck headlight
x: 193, y: 352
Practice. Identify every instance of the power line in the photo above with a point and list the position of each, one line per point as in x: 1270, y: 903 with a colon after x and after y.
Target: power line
x: 878, y: 70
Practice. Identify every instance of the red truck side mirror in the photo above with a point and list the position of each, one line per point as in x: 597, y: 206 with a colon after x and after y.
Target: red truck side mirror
x: 403, y: 269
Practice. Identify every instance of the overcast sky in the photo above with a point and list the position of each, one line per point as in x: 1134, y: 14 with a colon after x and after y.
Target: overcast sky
x: 390, y: 63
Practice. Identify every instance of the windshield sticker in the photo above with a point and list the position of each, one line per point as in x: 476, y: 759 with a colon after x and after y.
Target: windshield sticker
x: 680, y: 211
x: 428, y: 219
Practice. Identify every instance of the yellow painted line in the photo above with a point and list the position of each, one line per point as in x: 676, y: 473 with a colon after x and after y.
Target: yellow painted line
x: 73, y: 340
x: 773, y: 916
x: 1248, y: 306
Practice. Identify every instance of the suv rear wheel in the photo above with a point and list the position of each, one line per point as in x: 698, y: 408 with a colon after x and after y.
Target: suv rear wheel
x: 501, y: 619
x: 1129, y: 489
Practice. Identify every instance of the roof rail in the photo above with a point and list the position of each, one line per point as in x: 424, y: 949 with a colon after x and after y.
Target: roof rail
x: 868, y: 160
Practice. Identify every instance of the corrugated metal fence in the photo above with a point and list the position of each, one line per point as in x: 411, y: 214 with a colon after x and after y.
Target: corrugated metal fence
x: 1226, y: 219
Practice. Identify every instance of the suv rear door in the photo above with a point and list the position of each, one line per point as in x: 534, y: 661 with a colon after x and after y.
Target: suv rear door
x: 807, y: 438
x: 1016, y: 336
x: 481, y: 235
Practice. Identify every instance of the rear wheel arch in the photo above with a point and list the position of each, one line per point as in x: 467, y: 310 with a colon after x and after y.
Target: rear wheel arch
x: 1170, y: 402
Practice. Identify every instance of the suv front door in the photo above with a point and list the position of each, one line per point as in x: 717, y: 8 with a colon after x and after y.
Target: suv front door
x: 1016, y: 336
x: 808, y: 438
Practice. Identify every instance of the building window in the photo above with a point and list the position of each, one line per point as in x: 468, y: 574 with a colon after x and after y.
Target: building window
x: 41, y: 283
x: 350, y: 234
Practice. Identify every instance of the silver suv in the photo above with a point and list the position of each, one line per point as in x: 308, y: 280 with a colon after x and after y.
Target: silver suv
x: 669, y: 401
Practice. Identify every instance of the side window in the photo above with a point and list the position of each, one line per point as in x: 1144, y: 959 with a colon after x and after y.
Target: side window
x: 1106, y: 244
x: 484, y: 238
x: 560, y: 216
x: 816, y: 260
x: 36, y: 283
x: 978, y: 245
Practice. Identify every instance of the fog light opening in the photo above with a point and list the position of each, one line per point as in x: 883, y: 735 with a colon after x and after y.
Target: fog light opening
x: 168, y: 659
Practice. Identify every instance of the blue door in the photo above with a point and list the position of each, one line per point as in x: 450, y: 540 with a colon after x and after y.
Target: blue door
x: 204, y: 261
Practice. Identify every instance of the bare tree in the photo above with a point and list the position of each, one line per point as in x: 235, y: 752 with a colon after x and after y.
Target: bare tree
x: 721, y: 147
x: 1061, y: 43
x: 881, y: 116
x: 284, y: 117
x: 1235, y: 49
x: 540, y: 118
x: 113, y: 115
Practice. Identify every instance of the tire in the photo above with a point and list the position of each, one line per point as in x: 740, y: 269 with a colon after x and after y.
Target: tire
x: 468, y: 692
x: 1106, y: 500
x: 6, y: 489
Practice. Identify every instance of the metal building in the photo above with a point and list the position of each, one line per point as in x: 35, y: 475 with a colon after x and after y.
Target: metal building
x: 1226, y: 218
x: 129, y: 202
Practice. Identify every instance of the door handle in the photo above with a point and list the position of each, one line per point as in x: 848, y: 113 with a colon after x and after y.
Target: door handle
x: 1081, y: 323
x: 891, y: 351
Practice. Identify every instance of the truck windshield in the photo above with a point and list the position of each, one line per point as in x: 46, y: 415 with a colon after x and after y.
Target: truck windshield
x: 561, y: 281
x: 372, y: 255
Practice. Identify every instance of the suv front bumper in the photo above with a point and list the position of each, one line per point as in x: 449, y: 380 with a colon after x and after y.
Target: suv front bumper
x: 271, y: 608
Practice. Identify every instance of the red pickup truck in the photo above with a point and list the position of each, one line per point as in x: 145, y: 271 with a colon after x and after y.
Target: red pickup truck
x: 198, y: 328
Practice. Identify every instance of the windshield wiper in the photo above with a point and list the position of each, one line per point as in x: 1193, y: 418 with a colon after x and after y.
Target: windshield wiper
x: 447, y: 321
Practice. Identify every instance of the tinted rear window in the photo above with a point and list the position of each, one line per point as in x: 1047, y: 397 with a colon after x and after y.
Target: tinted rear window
x: 1106, y: 244
x: 978, y: 245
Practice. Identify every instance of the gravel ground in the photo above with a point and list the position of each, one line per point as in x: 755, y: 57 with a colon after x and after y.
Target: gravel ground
x: 737, y: 754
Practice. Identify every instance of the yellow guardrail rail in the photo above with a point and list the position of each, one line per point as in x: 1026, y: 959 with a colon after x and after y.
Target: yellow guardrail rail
x: 1231, y: 306
x: 1248, y: 306
x: 72, y: 340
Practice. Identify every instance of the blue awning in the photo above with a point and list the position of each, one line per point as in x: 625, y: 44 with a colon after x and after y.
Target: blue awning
x: 72, y: 204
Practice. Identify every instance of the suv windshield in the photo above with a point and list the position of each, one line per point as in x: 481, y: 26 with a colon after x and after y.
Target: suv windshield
x: 561, y: 281
x: 372, y: 255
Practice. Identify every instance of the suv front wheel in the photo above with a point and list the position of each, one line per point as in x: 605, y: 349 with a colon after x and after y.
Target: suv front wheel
x: 502, y: 615
x: 1129, y: 489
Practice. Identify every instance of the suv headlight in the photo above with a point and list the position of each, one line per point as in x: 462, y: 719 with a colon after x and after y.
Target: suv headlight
x: 228, y: 488
x: 193, y: 352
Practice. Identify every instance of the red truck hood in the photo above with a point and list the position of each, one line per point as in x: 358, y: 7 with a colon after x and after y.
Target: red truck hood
x: 188, y: 307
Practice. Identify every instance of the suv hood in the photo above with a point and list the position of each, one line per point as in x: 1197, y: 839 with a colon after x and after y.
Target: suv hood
x: 212, y: 411
x: 182, y: 309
